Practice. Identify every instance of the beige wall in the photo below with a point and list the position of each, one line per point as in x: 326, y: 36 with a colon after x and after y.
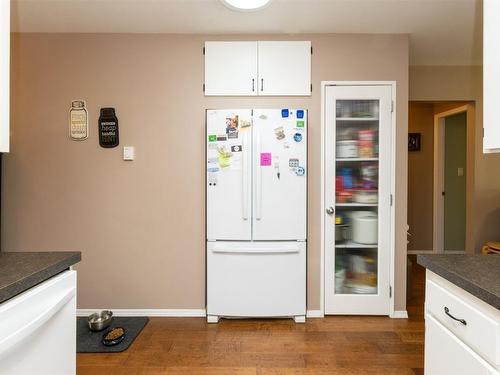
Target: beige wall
x: 464, y: 83
x: 141, y: 224
x: 420, y: 177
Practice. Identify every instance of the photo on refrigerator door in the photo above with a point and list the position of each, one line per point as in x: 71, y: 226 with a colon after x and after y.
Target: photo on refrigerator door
x: 232, y: 125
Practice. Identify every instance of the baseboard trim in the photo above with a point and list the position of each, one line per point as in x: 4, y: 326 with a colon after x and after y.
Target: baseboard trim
x: 170, y: 313
x: 314, y: 314
x: 400, y: 314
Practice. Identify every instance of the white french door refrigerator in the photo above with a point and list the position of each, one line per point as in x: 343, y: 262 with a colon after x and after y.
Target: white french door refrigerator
x: 256, y: 213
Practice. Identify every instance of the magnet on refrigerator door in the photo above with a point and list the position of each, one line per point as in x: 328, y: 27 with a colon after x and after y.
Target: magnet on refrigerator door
x: 265, y: 159
x: 212, y: 179
x: 300, y: 113
x: 245, y: 124
x: 300, y: 171
x: 300, y: 123
x: 236, y: 148
x: 224, y: 157
x: 284, y: 112
x: 279, y: 133
x: 293, y: 163
x: 297, y: 137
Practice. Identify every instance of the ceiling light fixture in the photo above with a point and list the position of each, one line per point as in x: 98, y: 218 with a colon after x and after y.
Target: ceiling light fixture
x: 246, y: 5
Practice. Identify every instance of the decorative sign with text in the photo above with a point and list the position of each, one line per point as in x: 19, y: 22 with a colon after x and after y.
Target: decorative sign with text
x: 108, y: 128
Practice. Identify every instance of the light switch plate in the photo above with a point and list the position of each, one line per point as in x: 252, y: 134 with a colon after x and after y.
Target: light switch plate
x: 460, y: 172
x: 128, y: 153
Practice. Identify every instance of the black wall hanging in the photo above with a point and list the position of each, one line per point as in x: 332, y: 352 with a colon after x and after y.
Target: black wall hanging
x: 108, y: 128
x: 414, y: 141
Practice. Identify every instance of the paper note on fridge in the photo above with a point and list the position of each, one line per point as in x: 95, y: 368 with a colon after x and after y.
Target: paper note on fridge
x: 265, y: 159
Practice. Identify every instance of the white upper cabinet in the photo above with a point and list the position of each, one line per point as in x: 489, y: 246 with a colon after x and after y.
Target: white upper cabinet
x: 4, y: 74
x: 230, y: 68
x: 491, y: 75
x: 284, y: 68
x: 252, y: 68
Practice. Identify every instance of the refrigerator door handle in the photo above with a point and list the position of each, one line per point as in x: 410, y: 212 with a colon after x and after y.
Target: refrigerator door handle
x: 244, y: 177
x: 250, y: 250
x: 258, y: 182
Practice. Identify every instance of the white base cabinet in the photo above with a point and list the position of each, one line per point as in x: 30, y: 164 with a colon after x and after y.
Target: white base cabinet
x: 462, y: 333
x: 38, y: 329
x: 446, y: 354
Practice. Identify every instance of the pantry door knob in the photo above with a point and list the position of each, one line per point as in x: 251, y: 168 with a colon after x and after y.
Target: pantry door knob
x: 330, y: 210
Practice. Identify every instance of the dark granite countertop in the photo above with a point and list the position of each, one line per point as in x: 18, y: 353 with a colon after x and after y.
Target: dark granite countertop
x: 22, y: 271
x: 477, y: 274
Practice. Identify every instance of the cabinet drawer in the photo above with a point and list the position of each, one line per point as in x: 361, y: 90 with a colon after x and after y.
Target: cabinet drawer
x: 446, y: 354
x: 479, y: 328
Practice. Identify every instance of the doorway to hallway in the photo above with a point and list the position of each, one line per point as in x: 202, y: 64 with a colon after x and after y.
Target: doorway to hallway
x: 440, y: 177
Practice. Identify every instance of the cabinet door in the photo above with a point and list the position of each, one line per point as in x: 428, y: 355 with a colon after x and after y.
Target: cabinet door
x: 357, y: 199
x: 491, y: 68
x: 4, y: 74
x: 446, y: 354
x: 285, y: 68
x: 230, y: 68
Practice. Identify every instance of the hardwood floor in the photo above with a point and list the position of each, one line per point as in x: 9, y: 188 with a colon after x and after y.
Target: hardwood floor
x: 334, y: 345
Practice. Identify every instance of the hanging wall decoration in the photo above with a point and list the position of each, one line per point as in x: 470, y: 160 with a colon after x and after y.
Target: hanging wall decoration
x: 414, y: 141
x: 108, y: 128
x: 78, y: 121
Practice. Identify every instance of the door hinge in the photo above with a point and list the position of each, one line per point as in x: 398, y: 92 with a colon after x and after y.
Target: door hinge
x: 390, y: 291
x: 203, y: 87
x: 311, y: 87
x: 392, y: 106
x: 391, y: 199
x: 311, y: 50
x: 203, y: 50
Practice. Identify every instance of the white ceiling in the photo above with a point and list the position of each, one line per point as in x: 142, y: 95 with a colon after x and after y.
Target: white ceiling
x: 442, y: 32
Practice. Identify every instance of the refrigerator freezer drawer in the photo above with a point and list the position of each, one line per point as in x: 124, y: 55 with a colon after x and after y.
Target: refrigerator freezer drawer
x: 257, y: 279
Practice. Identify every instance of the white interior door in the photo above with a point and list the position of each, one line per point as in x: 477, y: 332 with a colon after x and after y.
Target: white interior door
x: 284, y: 67
x: 231, y: 68
x: 228, y: 174
x: 357, y: 199
x: 280, y: 174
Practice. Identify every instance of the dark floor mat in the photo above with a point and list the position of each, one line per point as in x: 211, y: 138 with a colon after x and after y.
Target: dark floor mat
x: 90, y: 342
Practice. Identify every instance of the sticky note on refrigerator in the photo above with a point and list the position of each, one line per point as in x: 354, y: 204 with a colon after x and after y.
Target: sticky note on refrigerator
x: 265, y: 159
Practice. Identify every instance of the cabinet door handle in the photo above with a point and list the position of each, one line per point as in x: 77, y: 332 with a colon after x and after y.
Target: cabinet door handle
x: 262, y: 84
x: 253, y: 84
x: 447, y: 312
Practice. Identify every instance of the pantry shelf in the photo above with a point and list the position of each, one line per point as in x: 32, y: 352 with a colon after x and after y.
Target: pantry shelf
x: 355, y: 159
x: 354, y: 245
x: 357, y: 119
x: 356, y: 204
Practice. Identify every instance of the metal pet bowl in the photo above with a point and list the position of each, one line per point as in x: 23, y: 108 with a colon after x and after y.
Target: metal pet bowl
x: 100, y: 321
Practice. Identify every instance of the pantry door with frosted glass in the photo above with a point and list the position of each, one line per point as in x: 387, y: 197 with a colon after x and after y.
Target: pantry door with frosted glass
x: 358, y: 123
